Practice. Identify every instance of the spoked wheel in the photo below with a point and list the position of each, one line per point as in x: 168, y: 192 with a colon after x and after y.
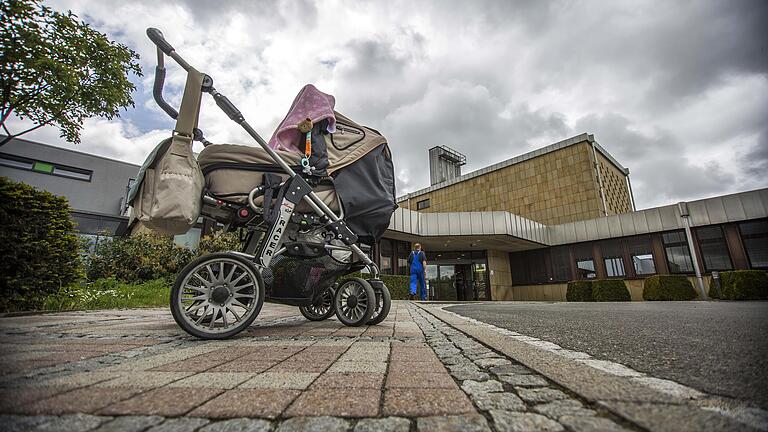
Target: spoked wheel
x: 354, y: 302
x: 383, y: 303
x: 217, y: 296
x: 322, y: 309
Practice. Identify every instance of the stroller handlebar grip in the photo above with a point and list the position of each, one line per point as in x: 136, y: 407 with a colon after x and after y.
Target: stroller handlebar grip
x: 156, y: 36
x: 157, y: 92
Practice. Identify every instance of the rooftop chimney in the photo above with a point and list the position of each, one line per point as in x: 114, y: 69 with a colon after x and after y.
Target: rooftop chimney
x: 444, y: 164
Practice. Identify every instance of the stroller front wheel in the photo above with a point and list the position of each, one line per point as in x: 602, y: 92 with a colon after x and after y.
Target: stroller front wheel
x: 383, y: 304
x: 322, y: 310
x: 217, y: 296
x: 354, y: 302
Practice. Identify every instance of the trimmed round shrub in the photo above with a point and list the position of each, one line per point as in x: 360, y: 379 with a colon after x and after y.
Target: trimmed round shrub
x: 668, y: 287
x: 40, y: 251
x: 579, y: 291
x: 610, y: 290
x: 743, y: 285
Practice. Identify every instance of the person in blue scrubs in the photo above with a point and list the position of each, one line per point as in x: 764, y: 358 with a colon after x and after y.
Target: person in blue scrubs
x: 417, y: 263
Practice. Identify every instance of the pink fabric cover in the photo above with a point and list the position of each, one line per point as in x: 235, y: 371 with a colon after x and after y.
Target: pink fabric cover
x: 311, y: 104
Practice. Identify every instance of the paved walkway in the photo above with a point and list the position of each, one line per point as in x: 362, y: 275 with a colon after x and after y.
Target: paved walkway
x: 421, y: 369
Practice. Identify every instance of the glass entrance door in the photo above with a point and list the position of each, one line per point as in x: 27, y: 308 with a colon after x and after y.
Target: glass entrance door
x: 480, y: 282
x: 441, y: 280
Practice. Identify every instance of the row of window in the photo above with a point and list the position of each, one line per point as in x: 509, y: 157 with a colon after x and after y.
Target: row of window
x: 20, y: 162
x: 563, y: 263
x: 393, y: 256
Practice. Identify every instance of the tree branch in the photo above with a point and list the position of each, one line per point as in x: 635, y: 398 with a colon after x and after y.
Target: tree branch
x: 6, y: 115
x: 10, y: 137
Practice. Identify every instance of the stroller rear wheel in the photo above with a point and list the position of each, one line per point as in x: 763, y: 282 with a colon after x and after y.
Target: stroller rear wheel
x: 383, y: 304
x: 217, y: 296
x: 321, y: 310
x: 354, y: 302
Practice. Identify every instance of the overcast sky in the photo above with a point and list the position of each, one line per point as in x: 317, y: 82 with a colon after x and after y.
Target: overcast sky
x: 677, y: 91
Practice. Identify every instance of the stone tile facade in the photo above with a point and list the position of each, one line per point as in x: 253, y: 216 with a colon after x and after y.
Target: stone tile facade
x: 556, y: 187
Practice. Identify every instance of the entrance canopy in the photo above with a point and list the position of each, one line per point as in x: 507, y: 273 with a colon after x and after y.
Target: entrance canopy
x: 496, y: 230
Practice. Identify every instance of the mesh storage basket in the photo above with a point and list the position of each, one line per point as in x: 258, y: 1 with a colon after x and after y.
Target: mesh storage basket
x: 301, y: 277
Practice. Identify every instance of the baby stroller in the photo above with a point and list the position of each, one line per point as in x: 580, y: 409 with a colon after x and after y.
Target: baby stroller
x: 305, y: 220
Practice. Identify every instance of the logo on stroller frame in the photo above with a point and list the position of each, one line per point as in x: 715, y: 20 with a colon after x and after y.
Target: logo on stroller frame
x: 275, y: 239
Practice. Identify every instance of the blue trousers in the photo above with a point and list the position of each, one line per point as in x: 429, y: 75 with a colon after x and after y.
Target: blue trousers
x: 417, y: 280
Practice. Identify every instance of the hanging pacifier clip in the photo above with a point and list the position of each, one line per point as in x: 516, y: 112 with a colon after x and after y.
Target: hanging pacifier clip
x: 305, y: 127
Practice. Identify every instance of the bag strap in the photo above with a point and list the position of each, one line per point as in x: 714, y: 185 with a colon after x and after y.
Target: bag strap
x: 271, y: 183
x: 189, y: 111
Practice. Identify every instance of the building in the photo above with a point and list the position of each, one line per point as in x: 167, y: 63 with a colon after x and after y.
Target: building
x: 95, y: 186
x: 522, y: 228
x: 570, y: 180
x: 517, y: 230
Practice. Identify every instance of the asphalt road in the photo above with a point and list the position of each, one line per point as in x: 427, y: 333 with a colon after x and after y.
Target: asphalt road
x: 717, y: 347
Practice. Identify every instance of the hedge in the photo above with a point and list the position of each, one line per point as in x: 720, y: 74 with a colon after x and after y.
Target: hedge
x: 40, y: 252
x: 610, y: 290
x: 579, y: 291
x: 399, y: 286
x: 668, y: 287
x: 742, y: 285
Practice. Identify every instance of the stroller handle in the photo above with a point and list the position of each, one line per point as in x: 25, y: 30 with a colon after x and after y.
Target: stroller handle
x: 311, y: 198
x: 156, y: 36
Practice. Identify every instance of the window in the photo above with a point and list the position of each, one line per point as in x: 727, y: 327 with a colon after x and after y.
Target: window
x: 420, y: 205
x: 403, y: 250
x: 51, y: 168
x: 74, y: 173
x: 614, y: 267
x: 641, y: 254
x: 754, y: 235
x: 561, y: 264
x: 528, y: 267
x: 713, y: 248
x: 16, y: 162
x: 585, y: 264
x: 613, y: 258
x: 385, y: 252
x: 678, y: 254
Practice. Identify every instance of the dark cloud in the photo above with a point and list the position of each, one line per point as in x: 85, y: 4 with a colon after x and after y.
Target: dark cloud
x: 659, y: 167
x: 755, y: 161
x: 676, y: 91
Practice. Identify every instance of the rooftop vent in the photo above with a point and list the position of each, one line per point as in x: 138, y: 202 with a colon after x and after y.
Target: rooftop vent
x: 444, y: 164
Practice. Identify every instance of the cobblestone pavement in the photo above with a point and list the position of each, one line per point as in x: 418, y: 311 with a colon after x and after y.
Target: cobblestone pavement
x: 135, y: 370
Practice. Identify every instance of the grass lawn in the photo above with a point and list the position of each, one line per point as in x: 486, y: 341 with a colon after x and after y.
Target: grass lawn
x: 110, y: 294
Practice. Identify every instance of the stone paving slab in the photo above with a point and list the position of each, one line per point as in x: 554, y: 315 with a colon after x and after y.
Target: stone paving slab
x: 135, y: 370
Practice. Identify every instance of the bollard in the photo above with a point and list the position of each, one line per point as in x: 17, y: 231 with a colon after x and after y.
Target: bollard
x: 716, y: 284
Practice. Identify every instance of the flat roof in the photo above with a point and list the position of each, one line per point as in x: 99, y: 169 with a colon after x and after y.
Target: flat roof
x: 72, y: 151
x: 518, y: 159
x: 503, y: 227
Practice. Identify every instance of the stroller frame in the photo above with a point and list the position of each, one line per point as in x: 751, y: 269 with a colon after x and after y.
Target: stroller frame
x: 260, y: 252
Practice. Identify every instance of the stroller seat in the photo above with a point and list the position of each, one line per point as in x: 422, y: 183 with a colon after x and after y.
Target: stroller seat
x: 232, y: 170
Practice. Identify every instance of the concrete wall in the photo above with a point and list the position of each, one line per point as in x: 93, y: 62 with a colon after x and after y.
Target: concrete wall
x: 103, y: 194
x: 553, y: 188
x: 556, y: 292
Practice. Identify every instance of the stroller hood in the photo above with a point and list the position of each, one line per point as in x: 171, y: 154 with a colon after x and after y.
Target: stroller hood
x: 361, y: 165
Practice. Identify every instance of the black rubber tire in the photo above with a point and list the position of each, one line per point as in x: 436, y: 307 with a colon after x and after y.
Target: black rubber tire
x: 176, y: 290
x: 309, y: 314
x: 363, y: 288
x: 383, y: 304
